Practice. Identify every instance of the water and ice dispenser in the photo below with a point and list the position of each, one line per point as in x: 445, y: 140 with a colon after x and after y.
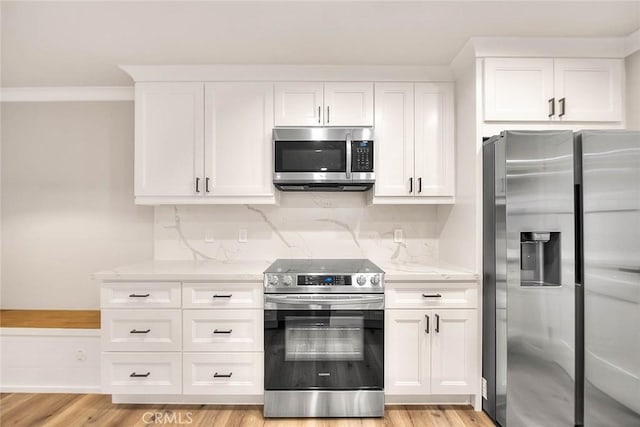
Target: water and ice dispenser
x: 540, y: 258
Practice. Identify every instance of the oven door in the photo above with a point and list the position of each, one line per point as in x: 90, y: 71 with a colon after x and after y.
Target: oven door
x: 324, y: 342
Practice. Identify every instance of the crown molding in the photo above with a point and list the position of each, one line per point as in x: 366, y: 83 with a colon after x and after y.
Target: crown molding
x: 632, y: 43
x: 67, y: 94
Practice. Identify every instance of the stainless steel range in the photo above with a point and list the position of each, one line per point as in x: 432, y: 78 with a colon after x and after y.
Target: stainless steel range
x: 324, y: 338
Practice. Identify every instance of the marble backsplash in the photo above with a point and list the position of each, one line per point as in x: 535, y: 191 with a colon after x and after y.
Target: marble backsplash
x: 318, y: 225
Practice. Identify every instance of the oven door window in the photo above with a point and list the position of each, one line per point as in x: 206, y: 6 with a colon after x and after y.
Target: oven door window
x: 324, y: 349
x: 310, y: 156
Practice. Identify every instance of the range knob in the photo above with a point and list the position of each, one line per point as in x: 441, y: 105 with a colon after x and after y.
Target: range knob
x: 273, y: 281
x: 361, y: 280
x: 287, y: 281
x: 375, y: 280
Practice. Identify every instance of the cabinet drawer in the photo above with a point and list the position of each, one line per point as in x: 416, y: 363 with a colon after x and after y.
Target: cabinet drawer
x: 141, y: 330
x: 140, y: 295
x: 141, y: 373
x: 222, y: 330
x: 222, y: 295
x: 222, y: 373
x: 431, y: 295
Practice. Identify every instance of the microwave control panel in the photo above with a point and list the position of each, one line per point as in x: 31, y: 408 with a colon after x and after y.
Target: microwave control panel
x: 361, y: 156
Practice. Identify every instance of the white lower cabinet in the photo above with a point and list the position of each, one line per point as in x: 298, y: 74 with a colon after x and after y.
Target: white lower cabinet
x: 431, y: 338
x: 222, y: 330
x: 141, y: 373
x: 141, y: 330
x: 222, y: 373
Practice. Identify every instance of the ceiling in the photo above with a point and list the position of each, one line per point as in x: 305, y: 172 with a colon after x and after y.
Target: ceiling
x: 82, y: 42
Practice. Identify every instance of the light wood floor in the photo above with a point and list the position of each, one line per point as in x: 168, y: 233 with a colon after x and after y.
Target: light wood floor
x: 70, y: 410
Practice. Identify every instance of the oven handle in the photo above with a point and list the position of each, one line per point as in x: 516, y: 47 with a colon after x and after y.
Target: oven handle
x: 368, y: 302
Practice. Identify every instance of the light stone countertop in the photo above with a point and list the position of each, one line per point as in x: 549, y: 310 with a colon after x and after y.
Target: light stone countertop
x: 252, y: 270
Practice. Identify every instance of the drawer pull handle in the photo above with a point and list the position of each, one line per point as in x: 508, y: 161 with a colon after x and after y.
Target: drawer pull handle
x: 222, y: 295
x: 134, y: 375
x: 135, y: 331
x: 431, y: 296
x: 217, y: 375
x: 218, y: 331
x: 426, y: 318
x: 139, y: 295
x: 437, y: 323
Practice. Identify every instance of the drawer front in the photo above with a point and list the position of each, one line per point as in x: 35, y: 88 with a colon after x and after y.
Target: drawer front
x: 222, y: 330
x: 140, y: 295
x: 222, y: 373
x: 141, y: 373
x: 141, y: 330
x: 431, y: 295
x: 222, y: 295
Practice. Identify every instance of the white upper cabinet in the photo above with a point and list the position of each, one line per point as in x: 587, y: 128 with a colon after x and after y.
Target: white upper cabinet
x: 589, y: 89
x: 434, y: 143
x: 394, y: 141
x: 169, y: 138
x: 348, y: 104
x: 517, y: 88
x: 414, y: 143
x: 238, y: 126
x: 202, y: 143
x: 542, y: 89
x: 299, y: 104
x: 323, y: 104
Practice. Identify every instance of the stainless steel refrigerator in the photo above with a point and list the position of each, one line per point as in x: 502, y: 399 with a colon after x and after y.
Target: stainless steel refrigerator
x: 561, y: 278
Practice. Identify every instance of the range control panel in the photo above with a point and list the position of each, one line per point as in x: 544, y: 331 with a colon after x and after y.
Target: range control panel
x: 365, y: 282
x: 361, y: 156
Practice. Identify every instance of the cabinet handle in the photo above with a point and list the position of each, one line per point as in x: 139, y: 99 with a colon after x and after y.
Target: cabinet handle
x: 206, y: 184
x: 135, y: 331
x: 138, y: 295
x: 328, y: 114
x: 562, y: 102
x: 552, y: 107
x: 222, y: 295
x: 218, y: 331
x: 431, y: 296
x: 217, y: 375
x: 410, y: 185
x: 426, y: 316
x: 198, y: 185
x: 318, y: 114
x: 437, y: 323
x: 134, y: 375
x: 420, y: 185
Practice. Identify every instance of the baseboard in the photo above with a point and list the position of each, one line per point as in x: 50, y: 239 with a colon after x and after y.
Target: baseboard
x: 43, y: 360
x: 189, y: 399
x: 452, y: 399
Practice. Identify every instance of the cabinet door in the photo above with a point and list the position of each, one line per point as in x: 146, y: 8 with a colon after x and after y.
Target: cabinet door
x: 517, y: 89
x: 169, y: 137
x: 589, y: 89
x: 238, y: 126
x: 393, y: 144
x: 348, y: 104
x: 299, y: 104
x: 434, y: 144
x: 407, y: 352
x: 454, y: 352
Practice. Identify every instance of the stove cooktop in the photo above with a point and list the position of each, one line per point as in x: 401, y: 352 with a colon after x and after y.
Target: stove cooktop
x: 323, y: 275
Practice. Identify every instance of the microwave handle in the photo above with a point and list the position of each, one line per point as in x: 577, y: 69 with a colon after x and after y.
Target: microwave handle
x: 348, y: 168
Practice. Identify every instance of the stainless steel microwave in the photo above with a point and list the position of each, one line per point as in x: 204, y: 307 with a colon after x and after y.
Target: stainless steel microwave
x: 323, y: 159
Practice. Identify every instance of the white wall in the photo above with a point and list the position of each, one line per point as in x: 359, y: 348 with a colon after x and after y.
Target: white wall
x: 459, y: 235
x: 320, y: 225
x: 67, y: 201
x: 632, y: 92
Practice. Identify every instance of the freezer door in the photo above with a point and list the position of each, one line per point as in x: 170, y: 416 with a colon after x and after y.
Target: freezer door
x: 540, y: 279
x: 611, y: 224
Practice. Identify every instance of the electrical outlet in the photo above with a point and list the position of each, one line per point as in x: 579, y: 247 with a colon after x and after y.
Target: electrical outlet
x: 398, y: 235
x: 242, y: 235
x: 208, y: 236
x: 81, y: 355
x: 484, y: 388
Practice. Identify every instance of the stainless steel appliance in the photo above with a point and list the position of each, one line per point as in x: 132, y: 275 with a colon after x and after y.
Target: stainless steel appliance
x: 561, y: 292
x: 324, y: 338
x: 323, y: 159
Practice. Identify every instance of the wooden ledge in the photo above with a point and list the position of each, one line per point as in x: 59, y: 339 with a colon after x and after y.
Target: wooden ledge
x: 63, y: 319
